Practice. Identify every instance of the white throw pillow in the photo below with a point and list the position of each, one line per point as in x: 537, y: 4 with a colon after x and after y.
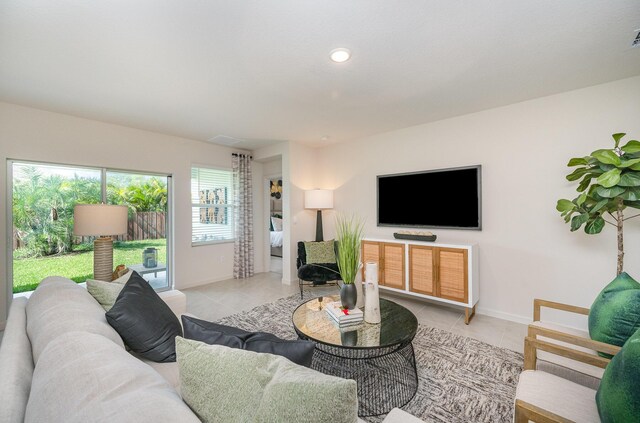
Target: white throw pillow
x: 277, y: 224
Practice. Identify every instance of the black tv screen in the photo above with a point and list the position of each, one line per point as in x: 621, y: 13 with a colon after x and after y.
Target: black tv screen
x: 441, y: 198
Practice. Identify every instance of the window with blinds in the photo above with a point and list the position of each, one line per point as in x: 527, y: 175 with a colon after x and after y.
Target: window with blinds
x: 211, y: 206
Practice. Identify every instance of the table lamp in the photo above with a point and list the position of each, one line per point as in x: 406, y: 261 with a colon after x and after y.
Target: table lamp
x: 318, y: 199
x: 103, y: 221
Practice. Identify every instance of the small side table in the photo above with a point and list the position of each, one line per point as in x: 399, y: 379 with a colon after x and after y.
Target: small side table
x: 161, y: 267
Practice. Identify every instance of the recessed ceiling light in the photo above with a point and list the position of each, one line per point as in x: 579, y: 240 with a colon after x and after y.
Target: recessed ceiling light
x: 325, y: 138
x: 340, y: 55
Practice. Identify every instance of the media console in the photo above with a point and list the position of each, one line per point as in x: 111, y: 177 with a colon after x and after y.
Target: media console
x: 441, y: 272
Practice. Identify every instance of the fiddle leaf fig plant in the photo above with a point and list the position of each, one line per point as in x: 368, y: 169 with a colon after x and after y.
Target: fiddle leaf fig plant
x: 609, y: 183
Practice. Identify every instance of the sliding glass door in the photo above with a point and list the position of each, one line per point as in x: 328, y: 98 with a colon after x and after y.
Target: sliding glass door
x: 43, y: 243
x: 147, y: 197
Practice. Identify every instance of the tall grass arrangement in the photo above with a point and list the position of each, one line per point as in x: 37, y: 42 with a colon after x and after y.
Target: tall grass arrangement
x: 349, y: 235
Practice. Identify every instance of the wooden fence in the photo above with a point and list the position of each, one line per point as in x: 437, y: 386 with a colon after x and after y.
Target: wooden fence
x: 141, y: 226
x: 145, y: 225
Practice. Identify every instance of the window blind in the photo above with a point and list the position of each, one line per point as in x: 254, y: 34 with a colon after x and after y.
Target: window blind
x: 211, y: 205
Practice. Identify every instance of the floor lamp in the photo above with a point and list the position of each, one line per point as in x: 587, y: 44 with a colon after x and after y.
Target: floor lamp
x: 318, y: 199
x: 103, y: 221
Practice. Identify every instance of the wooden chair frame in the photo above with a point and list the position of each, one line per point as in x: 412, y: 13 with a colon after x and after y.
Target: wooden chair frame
x: 538, y: 304
x: 525, y: 412
x: 535, y: 331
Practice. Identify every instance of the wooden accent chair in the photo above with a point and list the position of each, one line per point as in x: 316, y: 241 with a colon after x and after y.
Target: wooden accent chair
x: 571, y: 339
x: 545, y: 397
x: 562, y: 371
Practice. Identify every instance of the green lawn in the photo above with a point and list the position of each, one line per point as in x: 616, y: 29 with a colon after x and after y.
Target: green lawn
x: 78, y: 266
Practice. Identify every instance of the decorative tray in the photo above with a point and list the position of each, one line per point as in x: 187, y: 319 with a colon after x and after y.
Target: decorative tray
x: 415, y: 236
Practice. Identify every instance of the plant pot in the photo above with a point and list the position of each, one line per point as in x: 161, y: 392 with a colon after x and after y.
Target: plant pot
x: 349, y: 338
x: 348, y: 296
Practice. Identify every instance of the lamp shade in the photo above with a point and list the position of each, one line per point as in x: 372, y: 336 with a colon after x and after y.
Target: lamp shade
x: 318, y: 199
x: 99, y: 219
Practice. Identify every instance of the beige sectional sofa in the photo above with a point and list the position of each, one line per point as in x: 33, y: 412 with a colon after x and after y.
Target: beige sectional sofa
x: 61, y: 361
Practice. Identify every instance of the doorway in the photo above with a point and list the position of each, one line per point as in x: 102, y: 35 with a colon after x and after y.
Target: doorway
x: 275, y: 193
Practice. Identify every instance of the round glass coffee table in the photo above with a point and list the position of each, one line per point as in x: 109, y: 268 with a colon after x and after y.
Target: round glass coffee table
x: 379, y: 357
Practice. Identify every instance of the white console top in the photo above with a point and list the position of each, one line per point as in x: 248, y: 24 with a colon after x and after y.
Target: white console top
x: 429, y: 243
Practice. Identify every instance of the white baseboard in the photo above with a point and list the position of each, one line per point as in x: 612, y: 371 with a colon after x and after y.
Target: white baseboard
x: 505, y: 316
x: 200, y: 283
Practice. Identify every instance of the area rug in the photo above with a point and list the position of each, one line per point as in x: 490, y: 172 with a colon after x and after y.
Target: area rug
x: 460, y: 379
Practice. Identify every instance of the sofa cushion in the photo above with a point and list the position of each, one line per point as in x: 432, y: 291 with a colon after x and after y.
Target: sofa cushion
x: 228, y: 384
x: 106, y: 293
x: 145, y: 322
x: 59, y: 305
x: 559, y: 396
x: 176, y: 300
x: 298, y: 351
x: 618, y: 396
x: 169, y: 371
x: 82, y: 377
x: 615, y: 313
x: 16, y: 364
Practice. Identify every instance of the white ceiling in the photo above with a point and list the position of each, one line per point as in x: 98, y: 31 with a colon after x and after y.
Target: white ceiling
x: 259, y: 70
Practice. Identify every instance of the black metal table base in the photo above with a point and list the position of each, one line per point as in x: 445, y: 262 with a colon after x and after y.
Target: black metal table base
x: 386, y: 376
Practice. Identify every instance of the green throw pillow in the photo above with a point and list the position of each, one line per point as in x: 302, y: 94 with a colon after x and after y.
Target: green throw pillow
x: 618, y: 397
x: 106, y: 293
x: 223, y: 384
x: 615, y: 314
x: 320, y: 252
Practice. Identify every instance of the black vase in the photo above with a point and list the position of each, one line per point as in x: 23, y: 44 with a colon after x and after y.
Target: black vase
x: 348, y: 296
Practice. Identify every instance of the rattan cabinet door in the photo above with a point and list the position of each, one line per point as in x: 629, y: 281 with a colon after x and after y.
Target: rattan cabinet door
x: 393, y: 265
x: 371, y: 254
x: 421, y: 269
x: 452, y: 274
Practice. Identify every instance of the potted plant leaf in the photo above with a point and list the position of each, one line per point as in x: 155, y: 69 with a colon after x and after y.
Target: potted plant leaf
x: 348, y: 235
x: 609, y: 184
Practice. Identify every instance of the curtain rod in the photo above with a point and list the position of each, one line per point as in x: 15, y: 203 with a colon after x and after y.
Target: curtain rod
x: 239, y: 154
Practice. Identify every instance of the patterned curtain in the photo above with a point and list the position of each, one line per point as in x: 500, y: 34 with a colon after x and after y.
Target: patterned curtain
x: 243, y: 251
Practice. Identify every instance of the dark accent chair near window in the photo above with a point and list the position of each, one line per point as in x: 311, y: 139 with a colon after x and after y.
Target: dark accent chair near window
x: 314, y: 274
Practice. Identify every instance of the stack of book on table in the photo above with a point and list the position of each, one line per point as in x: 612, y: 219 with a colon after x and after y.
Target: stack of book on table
x: 342, y: 316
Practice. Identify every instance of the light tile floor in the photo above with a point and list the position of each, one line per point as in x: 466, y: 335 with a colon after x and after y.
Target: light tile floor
x: 276, y: 264
x: 220, y: 299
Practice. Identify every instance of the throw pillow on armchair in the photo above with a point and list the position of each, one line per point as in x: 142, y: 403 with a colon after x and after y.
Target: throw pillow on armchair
x: 615, y: 313
x: 618, y: 397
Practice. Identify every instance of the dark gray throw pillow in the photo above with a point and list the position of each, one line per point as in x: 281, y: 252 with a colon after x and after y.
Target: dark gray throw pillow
x: 145, y: 322
x: 299, y: 352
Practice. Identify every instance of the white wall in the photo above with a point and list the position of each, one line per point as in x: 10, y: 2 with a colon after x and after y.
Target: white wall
x: 526, y: 250
x: 30, y: 134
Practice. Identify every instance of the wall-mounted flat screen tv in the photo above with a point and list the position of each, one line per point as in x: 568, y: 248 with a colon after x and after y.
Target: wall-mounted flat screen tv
x: 441, y: 198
